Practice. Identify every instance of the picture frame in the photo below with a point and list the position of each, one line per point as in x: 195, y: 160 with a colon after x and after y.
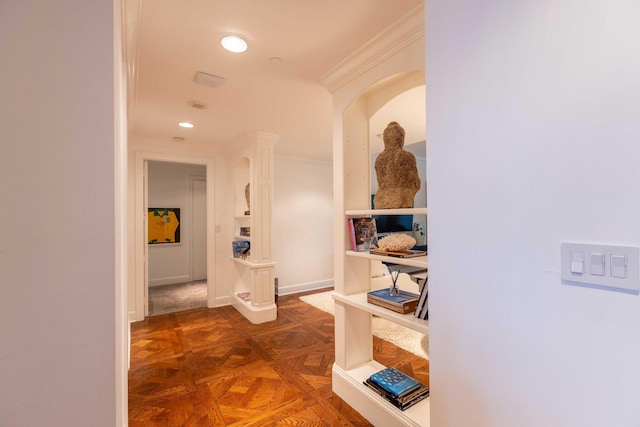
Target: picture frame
x: 163, y: 225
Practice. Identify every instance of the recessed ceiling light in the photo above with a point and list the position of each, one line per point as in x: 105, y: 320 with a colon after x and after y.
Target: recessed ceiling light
x: 178, y: 139
x: 234, y: 44
x: 276, y: 61
x: 185, y: 125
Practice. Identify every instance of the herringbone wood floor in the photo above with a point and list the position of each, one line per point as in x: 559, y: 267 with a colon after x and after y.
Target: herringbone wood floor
x: 212, y: 367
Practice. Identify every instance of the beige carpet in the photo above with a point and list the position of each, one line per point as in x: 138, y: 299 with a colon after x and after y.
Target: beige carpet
x: 178, y: 297
x: 405, y: 338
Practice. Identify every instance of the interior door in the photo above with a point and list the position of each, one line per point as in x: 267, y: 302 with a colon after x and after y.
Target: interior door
x: 199, y: 229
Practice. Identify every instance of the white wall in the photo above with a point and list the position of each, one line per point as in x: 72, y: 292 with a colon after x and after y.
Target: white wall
x: 532, y: 140
x: 170, y: 187
x: 302, y: 224
x: 57, y: 246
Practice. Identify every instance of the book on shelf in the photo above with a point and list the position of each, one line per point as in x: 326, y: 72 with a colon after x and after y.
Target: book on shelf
x: 422, y: 308
x: 403, y: 403
x: 405, y: 302
x: 363, y: 234
x: 411, y: 253
x: 245, y: 231
x: 241, y: 248
x: 244, y: 296
x: 395, y: 382
x: 397, y: 387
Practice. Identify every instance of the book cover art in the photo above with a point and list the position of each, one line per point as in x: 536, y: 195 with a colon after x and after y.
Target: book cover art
x: 240, y: 248
x: 397, y: 383
x: 365, y: 234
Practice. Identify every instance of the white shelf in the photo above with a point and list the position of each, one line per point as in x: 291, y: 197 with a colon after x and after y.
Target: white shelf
x: 238, y: 237
x: 253, y: 264
x: 420, y: 261
x: 359, y: 301
x: 349, y: 384
x: 369, y: 212
x: 243, y: 216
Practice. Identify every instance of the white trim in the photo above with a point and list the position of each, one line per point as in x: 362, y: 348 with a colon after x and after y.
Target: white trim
x: 162, y: 281
x: 122, y: 325
x: 192, y: 179
x: 392, y: 40
x: 222, y: 301
x: 302, y: 287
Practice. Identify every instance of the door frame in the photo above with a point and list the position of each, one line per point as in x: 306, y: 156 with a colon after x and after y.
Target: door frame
x: 192, y: 251
x: 140, y: 261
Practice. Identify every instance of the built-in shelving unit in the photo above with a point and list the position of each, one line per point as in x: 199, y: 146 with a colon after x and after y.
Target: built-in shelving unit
x: 389, y: 65
x: 254, y: 274
x: 354, y: 358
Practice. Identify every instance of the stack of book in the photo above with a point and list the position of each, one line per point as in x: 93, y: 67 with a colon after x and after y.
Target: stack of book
x: 397, y: 387
x: 405, y: 302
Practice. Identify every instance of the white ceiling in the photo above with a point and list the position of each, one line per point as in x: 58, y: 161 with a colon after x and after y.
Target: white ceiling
x: 176, y: 39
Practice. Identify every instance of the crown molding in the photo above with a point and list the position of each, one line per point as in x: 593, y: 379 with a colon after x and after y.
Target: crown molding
x: 393, y: 39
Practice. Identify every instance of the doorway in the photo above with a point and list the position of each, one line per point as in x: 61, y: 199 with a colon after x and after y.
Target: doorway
x: 145, y: 273
x: 176, y: 261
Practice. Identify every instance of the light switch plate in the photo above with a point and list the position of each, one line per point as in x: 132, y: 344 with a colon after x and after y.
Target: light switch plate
x: 601, y: 275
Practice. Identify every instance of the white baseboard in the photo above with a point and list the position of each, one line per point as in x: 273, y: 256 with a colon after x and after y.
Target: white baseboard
x: 222, y: 301
x: 302, y: 287
x: 283, y: 290
x: 169, y: 280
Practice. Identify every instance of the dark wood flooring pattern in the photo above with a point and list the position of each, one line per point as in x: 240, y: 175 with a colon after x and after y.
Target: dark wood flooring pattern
x: 212, y: 367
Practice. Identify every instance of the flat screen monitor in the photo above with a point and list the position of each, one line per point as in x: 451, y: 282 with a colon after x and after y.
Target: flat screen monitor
x: 392, y: 223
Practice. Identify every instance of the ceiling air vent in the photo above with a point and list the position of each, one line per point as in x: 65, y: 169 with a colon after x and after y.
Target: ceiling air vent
x: 210, y: 80
x: 197, y: 105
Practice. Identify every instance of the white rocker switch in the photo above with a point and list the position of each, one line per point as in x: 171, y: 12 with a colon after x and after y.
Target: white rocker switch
x: 577, y: 262
x: 596, y: 264
x: 612, y: 268
x: 618, y: 266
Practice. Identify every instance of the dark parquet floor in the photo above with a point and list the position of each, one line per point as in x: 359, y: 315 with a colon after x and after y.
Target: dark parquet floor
x: 212, y: 367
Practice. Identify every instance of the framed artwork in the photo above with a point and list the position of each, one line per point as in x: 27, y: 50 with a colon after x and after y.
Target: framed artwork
x: 164, y: 225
